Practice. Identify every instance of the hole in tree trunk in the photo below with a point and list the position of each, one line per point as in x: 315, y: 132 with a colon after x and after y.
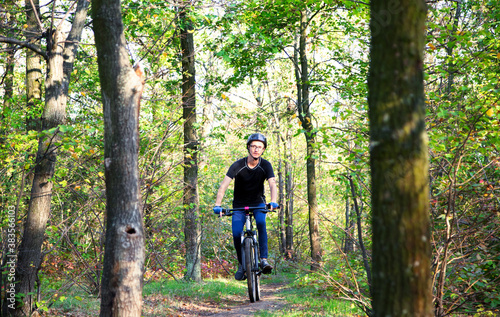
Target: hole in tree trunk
x: 130, y: 230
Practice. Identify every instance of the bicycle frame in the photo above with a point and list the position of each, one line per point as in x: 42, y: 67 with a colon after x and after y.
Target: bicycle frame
x: 250, y: 249
x: 248, y: 232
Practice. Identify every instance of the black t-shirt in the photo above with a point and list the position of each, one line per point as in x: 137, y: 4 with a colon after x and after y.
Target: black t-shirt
x: 249, y: 182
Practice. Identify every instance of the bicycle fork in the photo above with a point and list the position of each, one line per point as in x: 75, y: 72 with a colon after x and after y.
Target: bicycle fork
x: 250, y: 234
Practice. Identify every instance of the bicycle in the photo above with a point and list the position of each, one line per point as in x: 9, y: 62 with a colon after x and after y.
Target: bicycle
x: 250, y: 251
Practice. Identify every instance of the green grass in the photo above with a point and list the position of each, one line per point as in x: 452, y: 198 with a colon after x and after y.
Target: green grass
x: 167, y: 298
x: 304, y: 303
x: 206, y: 290
x: 303, y: 298
x: 309, y: 300
x: 73, y: 300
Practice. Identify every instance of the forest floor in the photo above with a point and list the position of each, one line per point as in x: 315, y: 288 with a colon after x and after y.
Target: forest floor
x: 281, y: 295
x: 161, y: 305
x: 233, y: 305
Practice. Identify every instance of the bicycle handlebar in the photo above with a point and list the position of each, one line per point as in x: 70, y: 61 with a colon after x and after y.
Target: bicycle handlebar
x: 228, y: 211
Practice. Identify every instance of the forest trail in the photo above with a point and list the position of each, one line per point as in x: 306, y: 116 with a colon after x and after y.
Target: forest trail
x: 237, y: 305
x: 270, y: 301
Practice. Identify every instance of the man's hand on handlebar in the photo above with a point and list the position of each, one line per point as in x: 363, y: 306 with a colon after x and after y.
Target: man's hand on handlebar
x: 218, y: 210
x: 273, y: 206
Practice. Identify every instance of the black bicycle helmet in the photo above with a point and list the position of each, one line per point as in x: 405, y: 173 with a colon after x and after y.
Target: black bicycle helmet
x: 257, y: 137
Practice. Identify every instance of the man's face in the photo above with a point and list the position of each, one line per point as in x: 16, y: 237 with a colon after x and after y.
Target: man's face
x: 256, y: 148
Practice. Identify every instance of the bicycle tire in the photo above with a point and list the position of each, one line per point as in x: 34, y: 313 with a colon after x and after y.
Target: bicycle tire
x: 257, y: 276
x: 249, y: 260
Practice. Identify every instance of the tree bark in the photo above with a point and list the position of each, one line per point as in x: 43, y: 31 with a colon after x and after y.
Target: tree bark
x: 33, y: 66
x: 399, y: 160
x: 306, y: 119
x: 192, y: 226
x: 121, y: 87
x: 360, y: 235
x: 289, y: 209
x: 349, y: 242
x: 441, y: 280
x: 30, y: 250
x: 281, y: 196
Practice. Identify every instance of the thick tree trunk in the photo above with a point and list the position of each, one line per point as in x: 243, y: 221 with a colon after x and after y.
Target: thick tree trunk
x: 33, y: 67
x: 30, y: 250
x: 192, y: 226
x: 122, y: 278
x: 305, y: 118
x: 399, y: 162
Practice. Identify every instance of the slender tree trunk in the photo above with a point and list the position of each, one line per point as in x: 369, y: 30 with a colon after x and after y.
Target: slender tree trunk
x: 289, y: 211
x: 34, y: 78
x: 449, y: 50
x: 288, y: 196
x: 8, y: 86
x: 441, y: 269
x: 360, y: 236
x: 349, y: 242
x: 56, y: 89
x: 399, y: 161
x: 192, y: 228
x: 122, y: 277
x: 306, y: 119
x: 281, y: 197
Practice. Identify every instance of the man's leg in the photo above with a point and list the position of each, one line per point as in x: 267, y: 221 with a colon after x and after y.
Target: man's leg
x: 238, y: 221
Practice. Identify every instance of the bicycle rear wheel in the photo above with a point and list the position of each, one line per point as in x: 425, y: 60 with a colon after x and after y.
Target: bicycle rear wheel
x: 251, y: 276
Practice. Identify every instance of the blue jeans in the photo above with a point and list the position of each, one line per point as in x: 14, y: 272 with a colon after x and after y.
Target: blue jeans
x: 239, y: 222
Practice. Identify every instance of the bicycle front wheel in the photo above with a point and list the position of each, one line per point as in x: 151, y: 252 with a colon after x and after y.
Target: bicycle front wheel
x: 251, y: 276
x: 256, y: 273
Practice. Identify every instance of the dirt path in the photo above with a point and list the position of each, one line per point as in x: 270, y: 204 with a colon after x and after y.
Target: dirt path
x: 236, y: 305
x: 269, y: 302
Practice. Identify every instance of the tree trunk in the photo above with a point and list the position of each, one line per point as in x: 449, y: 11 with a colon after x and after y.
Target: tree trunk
x: 305, y: 117
x: 360, y: 236
x: 399, y: 161
x: 449, y: 51
x: 192, y: 228
x: 30, y: 250
x: 289, y: 211
x: 349, y: 242
x: 441, y: 276
x: 33, y: 67
x: 287, y: 145
x: 281, y: 196
x: 121, y: 87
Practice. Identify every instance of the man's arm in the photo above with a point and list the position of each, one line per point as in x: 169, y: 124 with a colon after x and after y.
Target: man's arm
x: 273, y: 189
x: 222, y: 190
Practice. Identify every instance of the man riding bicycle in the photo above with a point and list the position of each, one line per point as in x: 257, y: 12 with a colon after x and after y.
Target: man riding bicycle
x: 249, y: 174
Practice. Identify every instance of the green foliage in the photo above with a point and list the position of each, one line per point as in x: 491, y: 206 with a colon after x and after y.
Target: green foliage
x: 311, y: 295
x: 463, y: 133
x: 245, y: 81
